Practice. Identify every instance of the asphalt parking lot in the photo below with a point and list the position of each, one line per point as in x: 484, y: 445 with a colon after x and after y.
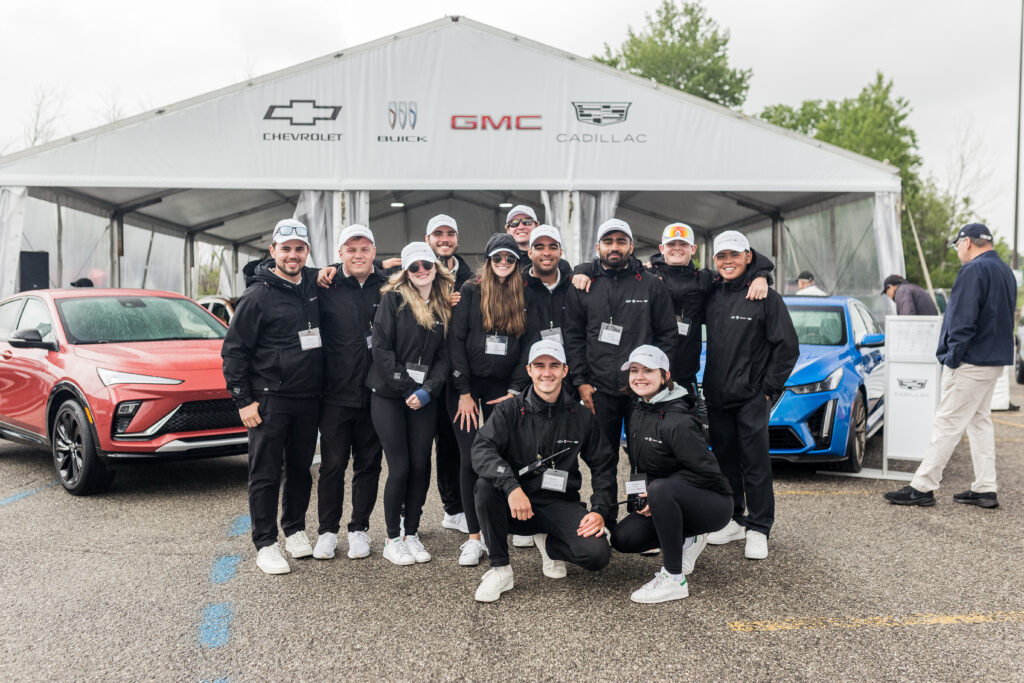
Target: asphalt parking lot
x: 156, y: 580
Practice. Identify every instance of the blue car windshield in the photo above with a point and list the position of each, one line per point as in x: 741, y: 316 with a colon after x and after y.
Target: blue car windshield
x: 822, y: 326
x: 109, y: 319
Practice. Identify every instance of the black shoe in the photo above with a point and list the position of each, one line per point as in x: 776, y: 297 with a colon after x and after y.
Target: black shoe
x: 908, y: 495
x: 982, y: 500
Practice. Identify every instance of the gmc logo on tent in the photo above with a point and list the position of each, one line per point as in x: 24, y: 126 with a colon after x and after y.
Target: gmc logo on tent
x: 486, y: 122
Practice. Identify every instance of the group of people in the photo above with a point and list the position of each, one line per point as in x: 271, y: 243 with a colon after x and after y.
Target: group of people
x: 518, y: 371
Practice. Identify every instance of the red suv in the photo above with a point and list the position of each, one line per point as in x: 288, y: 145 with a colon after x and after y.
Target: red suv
x: 99, y: 376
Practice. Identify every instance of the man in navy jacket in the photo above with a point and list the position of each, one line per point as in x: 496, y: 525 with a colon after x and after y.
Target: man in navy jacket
x: 975, y: 343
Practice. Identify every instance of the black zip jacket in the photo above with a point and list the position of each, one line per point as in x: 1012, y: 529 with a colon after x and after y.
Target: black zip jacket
x: 545, y: 310
x: 398, y: 339
x: 752, y: 346
x: 346, y: 322
x: 525, y: 427
x: 467, y: 343
x: 261, y: 351
x: 632, y: 298
x: 667, y: 437
x: 463, y: 273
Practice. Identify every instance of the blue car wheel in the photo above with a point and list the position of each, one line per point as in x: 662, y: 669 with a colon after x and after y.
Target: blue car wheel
x: 856, y: 439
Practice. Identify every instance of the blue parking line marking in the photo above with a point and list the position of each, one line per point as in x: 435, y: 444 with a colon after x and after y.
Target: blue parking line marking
x: 241, y: 526
x: 25, y: 494
x: 216, y: 625
x: 223, y: 569
x: 219, y: 680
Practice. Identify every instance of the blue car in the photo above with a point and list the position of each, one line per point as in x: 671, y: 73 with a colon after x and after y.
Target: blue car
x: 833, y: 400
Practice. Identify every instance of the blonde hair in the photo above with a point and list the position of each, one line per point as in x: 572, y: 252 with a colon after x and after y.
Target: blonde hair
x: 425, y: 312
x: 502, y: 304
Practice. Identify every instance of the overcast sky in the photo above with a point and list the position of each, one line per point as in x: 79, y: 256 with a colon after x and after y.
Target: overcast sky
x: 956, y: 62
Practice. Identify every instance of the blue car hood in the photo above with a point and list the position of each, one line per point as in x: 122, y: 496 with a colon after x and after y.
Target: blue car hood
x: 815, y: 363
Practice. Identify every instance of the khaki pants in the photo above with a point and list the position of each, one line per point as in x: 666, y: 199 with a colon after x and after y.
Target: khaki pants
x: 965, y: 404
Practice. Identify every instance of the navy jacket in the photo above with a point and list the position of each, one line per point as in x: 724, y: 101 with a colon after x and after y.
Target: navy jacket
x: 978, y: 325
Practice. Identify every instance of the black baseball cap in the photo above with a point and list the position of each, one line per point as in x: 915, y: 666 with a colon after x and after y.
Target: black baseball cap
x: 806, y: 275
x: 978, y: 231
x: 892, y: 280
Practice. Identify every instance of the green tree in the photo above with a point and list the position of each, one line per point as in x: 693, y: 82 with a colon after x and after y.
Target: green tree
x: 684, y: 48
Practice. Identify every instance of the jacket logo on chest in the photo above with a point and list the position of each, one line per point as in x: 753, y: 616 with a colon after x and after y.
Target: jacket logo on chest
x: 740, y: 317
x: 635, y: 301
x: 652, y: 439
x: 561, y: 441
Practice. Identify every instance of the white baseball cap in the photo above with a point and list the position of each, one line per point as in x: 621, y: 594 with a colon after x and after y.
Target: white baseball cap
x: 647, y: 356
x: 677, y: 231
x: 290, y: 229
x: 417, y: 251
x: 614, y: 225
x: 354, y: 230
x: 547, y: 347
x: 441, y: 220
x: 731, y: 240
x: 520, y: 209
x: 545, y: 231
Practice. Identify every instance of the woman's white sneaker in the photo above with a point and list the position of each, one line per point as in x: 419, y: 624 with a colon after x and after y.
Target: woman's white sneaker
x: 731, y: 532
x: 396, y: 552
x: 456, y: 522
x: 472, y: 552
x: 493, y: 583
x: 416, y: 548
x: 358, y: 545
x: 691, y: 553
x: 298, y: 545
x: 270, y: 560
x: 757, y: 546
x: 522, y: 541
x: 325, y: 546
x: 553, y: 569
x: 661, y: 588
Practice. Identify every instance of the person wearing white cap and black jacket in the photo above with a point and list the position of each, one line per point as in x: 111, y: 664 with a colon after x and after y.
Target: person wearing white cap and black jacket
x: 483, y: 347
x: 673, y: 472
x: 527, y: 457
x: 347, y: 309
x: 752, y: 348
x: 410, y: 364
x: 519, y: 223
x: 273, y: 366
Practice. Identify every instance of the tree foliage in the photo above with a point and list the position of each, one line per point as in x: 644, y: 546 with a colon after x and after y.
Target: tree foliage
x: 682, y: 47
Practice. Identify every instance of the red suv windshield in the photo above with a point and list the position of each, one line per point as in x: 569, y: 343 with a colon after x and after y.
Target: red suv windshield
x: 108, y: 319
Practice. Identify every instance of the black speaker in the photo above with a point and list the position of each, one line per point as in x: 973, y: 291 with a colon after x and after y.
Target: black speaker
x: 34, y: 267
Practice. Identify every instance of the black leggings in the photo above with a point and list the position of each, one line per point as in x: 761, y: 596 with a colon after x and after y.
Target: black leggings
x: 407, y: 436
x: 678, y: 510
x: 482, y: 389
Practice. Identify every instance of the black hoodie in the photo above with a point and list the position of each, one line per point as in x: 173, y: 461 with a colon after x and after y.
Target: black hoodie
x: 346, y: 316
x: 261, y: 351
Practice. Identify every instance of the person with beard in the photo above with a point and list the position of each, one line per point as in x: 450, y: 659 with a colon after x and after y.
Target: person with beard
x: 483, y: 347
x: 273, y: 367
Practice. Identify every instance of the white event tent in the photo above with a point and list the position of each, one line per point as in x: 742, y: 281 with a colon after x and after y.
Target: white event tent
x: 450, y: 117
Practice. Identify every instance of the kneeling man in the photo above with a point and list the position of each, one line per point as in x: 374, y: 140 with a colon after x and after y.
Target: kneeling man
x: 527, y: 457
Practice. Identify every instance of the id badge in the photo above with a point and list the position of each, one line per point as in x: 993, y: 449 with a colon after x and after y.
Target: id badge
x: 417, y: 372
x: 555, y: 480
x: 683, y: 325
x: 637, y: 485
x: 369, y: 341
x: 610, y: 334
x: 496, y: 345
x: 554, y: 334
x: 309, y: 339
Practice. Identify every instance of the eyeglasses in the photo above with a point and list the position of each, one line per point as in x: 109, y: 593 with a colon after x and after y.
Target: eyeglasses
x: 506, y: 257
x: 528, y: 222
x: 298, y: 230
x: 414, y: 267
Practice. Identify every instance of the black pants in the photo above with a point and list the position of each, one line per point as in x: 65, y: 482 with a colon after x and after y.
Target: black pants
x: 739, y: 438
x: 406, y: 436
x: 446, y: 457
x: 558, y: 518
x: 282, y: 446
x: 611, y: 410
x: 347, y: 433
x: 678, y: 510
x: 482, y: 389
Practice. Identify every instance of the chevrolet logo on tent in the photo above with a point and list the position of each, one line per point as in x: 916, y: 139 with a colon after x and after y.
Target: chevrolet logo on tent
x: 601, y: 113
x: 302, y: 112
x: 401, y: 114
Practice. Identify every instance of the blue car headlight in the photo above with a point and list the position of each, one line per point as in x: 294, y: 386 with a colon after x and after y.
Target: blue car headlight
x: 830, y: 383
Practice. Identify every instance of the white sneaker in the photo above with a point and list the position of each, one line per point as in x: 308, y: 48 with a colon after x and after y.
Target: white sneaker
x: 325, y: 546
x: 494, y: 582
x: 691, y: 553
x: 358, y: 545
x: 651, y: 552
x: 416, y: 549
x: 522, y: 541
x: 661, y: 588
x: 731, y: 532
x: 472, y: 552
x: 757, y: 546
x: 396, y: 552
x: 298, y: 545
x: 456, y: 522
x: 270, y: 560
x: 553, y: 569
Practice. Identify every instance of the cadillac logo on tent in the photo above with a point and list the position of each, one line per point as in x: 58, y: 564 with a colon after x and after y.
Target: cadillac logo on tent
x: 302, y: 112
x: 401, y: 114
x: 601, y: 113
x: 912, y: 384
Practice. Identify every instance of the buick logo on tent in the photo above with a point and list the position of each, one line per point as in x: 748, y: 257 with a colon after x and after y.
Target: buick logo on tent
x: 402, y: 114
x: 912, y: 384
x: 302, y: 112
x: 601, y: 113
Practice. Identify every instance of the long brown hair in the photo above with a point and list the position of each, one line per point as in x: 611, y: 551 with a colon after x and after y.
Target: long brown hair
x: 437, y: 306
x: 502, y: 304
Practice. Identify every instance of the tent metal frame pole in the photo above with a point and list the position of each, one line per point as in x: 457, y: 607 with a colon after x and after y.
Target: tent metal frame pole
x: 1016, y: 174
x: 190, y: 257
x: 60, y: 246
x: 149, y: 252
x: 116, y: 248
x: 779, y: 251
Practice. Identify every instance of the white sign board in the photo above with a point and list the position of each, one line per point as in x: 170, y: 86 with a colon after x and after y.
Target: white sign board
x: 912, y: 384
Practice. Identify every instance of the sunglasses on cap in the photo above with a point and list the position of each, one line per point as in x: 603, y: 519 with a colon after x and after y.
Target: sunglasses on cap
x: 298, y: 230
x: 504, y: 256
x: 528, y: 222
x: 415, y: 266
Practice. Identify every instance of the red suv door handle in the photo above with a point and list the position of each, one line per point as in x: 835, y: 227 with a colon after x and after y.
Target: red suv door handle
x: 7, y: 354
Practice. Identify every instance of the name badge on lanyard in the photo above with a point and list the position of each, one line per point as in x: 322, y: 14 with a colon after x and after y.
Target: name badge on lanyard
x: 309, y: 339
x: 637, y: 484
x: 555, y: 480
x: 610, y: 334
x: 554, y: 334
x: 683, y: 325
x: 496, y: 345
x: 417, y: 372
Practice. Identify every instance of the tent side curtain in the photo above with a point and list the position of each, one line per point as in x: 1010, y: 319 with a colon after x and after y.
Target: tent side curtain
x: 12, y: 226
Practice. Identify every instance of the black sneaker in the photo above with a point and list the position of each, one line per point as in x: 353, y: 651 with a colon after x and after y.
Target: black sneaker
x: 908, y: 495
x: 982, y: 500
